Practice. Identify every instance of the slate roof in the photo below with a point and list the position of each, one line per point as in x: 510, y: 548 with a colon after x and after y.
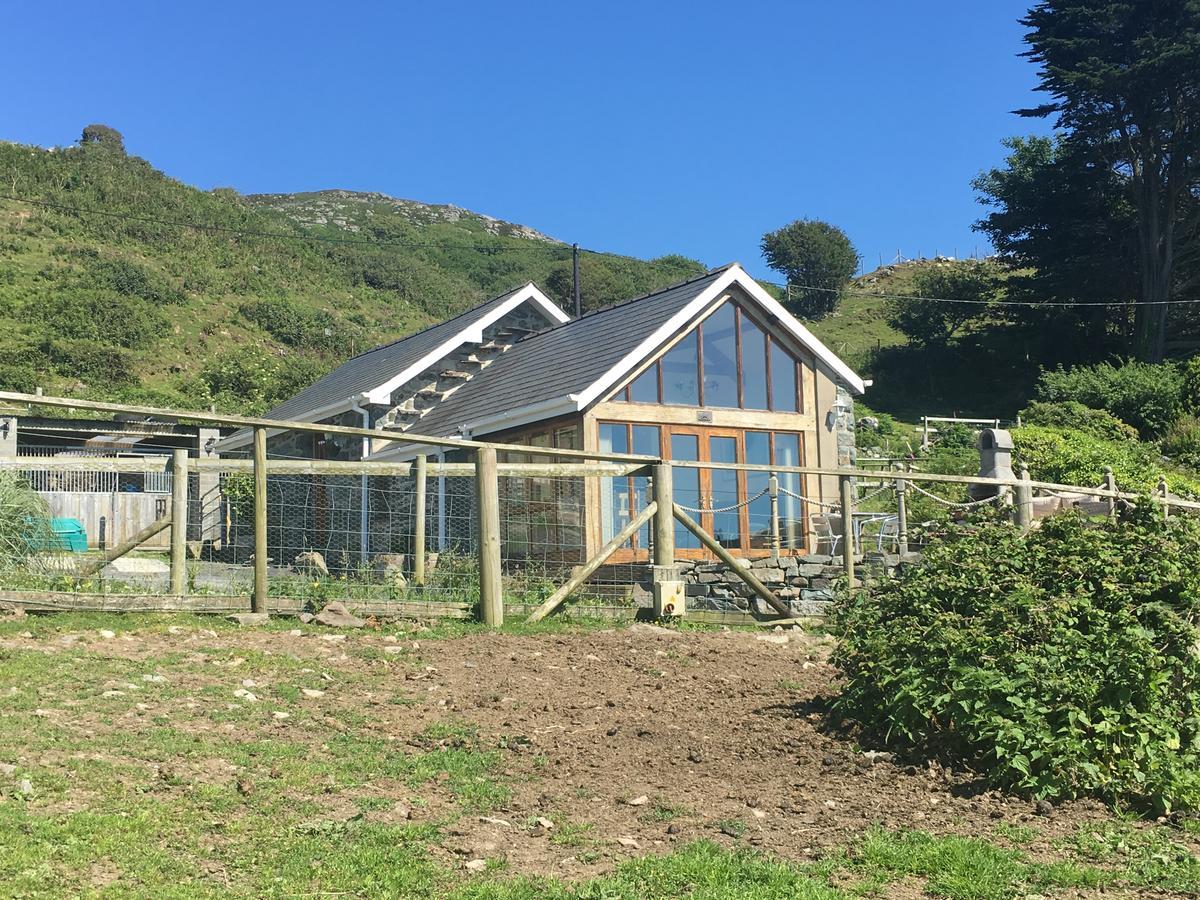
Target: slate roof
x: 562, y: 360
x: 369, y: 370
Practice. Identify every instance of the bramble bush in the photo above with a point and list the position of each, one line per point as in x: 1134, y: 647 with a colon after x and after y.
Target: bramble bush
x: 1073, y: 457
x: 1074, y: 415
x: 1182, y: 442
x: 1062, y: 663
x: 1149, y: 397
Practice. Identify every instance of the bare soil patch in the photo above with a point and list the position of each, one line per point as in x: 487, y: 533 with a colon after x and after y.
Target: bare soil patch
x: 627, y: 740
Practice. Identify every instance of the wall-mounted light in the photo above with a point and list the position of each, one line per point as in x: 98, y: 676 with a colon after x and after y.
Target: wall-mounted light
x: 5, y: 427
x: 210, y: 445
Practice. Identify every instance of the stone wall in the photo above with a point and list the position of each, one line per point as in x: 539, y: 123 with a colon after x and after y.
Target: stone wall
x: 805, y: 583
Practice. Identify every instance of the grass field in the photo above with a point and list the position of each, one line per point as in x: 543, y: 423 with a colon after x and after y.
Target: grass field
x: 175, y: 756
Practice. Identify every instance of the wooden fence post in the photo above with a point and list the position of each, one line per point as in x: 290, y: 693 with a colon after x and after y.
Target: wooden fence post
x: 1164, y: 496
x: 846, y: 483
x: 487, y: 493
x: 1024, y: 497
x: 179, y: 521
x: 901, y: 517
x: 1110, y: 484
x: 664, y: 521
x: 259, y: 604
x: 419, y: 521
x: 773, y: 493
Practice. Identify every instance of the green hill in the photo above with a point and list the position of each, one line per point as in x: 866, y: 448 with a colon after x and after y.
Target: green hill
x: 119, y: 282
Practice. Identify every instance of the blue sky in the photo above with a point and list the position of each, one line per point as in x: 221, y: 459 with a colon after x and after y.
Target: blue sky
x: 641, y: 128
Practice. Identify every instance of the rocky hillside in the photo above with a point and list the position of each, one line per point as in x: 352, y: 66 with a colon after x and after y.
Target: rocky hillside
x: 119, y: 282
x: 361, y: 211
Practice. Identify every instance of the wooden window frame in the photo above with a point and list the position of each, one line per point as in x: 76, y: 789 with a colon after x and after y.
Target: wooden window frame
x: 626, y: 393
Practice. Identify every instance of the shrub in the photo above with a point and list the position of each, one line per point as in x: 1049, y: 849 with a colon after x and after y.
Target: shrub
x: 92, y: 362
x: 24, y: 521
x: 956, y: 436
x: 1073, y: 415
x: 1182, y: 442
x: 1059, y: 663
x: 103, y: 317
x: 298, y: 326
x: 1149, y: 397
x: 1073, y: 457
x: 252, y: 379
x: 133, y: 280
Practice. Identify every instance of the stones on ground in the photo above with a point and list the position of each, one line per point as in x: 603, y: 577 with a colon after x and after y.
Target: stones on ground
x: 336, y: 615
x: 280, y: 715
x: 245, y: 787
x: 731, y: 829
x: 638, y: 801
x: 305, y: 618
x: 107, y: 635
x: 249, y: 618
x: 7, y: 769
x: 389, y: 567
x: 673, y: 829
x: 248, y: 696
x: 154, y: 678
x: 1044, y: 808
x: 476, y: 865
x: 402, y: 811
x: 25, y: 786
x: 333, y: 638
x: 312, y: 693
x: 629, y: 843
x: 500, y: 823
x: 310, y: 562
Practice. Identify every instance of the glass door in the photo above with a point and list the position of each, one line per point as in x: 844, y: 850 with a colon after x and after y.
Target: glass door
x: 715, y: 493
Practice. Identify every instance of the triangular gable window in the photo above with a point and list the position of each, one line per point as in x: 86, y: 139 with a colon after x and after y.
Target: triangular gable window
x: 727, y: 360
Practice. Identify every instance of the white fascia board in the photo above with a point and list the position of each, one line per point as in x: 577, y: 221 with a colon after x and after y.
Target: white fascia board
x: 734, y: 276
x: 802, y: 334
x: 472, y: 334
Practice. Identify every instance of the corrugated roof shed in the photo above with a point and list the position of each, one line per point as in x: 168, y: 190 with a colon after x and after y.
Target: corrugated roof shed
x: 371, y: 369
x: 562, y: 360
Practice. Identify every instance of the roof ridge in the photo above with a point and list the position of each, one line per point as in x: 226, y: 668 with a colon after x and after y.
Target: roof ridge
x: 428, y: 328
x: 623, y: 303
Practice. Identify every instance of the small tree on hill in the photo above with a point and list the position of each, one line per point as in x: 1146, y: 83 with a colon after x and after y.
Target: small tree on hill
x: 104, y: 135
x: 943, y: 300
x: 818, y: 261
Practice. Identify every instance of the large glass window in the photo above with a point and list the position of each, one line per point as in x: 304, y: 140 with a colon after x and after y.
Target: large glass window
x: 686, y: 485
x: 758, y: 452
x: 623, y: 498
x: 720, y: 357
x: 614, y: 495
x: 791, y: 509
x: 680, y: 384
x: 723, y: 492
x: 754, y: 365
x: 783, y: 380
x: 728, y: 361
x: 645, y: 387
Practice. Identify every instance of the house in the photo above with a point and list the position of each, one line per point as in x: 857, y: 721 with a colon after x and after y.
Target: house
x: 713, y: 369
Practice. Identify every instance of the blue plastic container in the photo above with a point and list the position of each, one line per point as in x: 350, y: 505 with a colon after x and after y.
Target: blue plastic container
x: 69, y: 534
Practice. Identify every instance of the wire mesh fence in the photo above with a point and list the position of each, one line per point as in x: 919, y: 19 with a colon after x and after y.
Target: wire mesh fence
x: 409, y: 536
